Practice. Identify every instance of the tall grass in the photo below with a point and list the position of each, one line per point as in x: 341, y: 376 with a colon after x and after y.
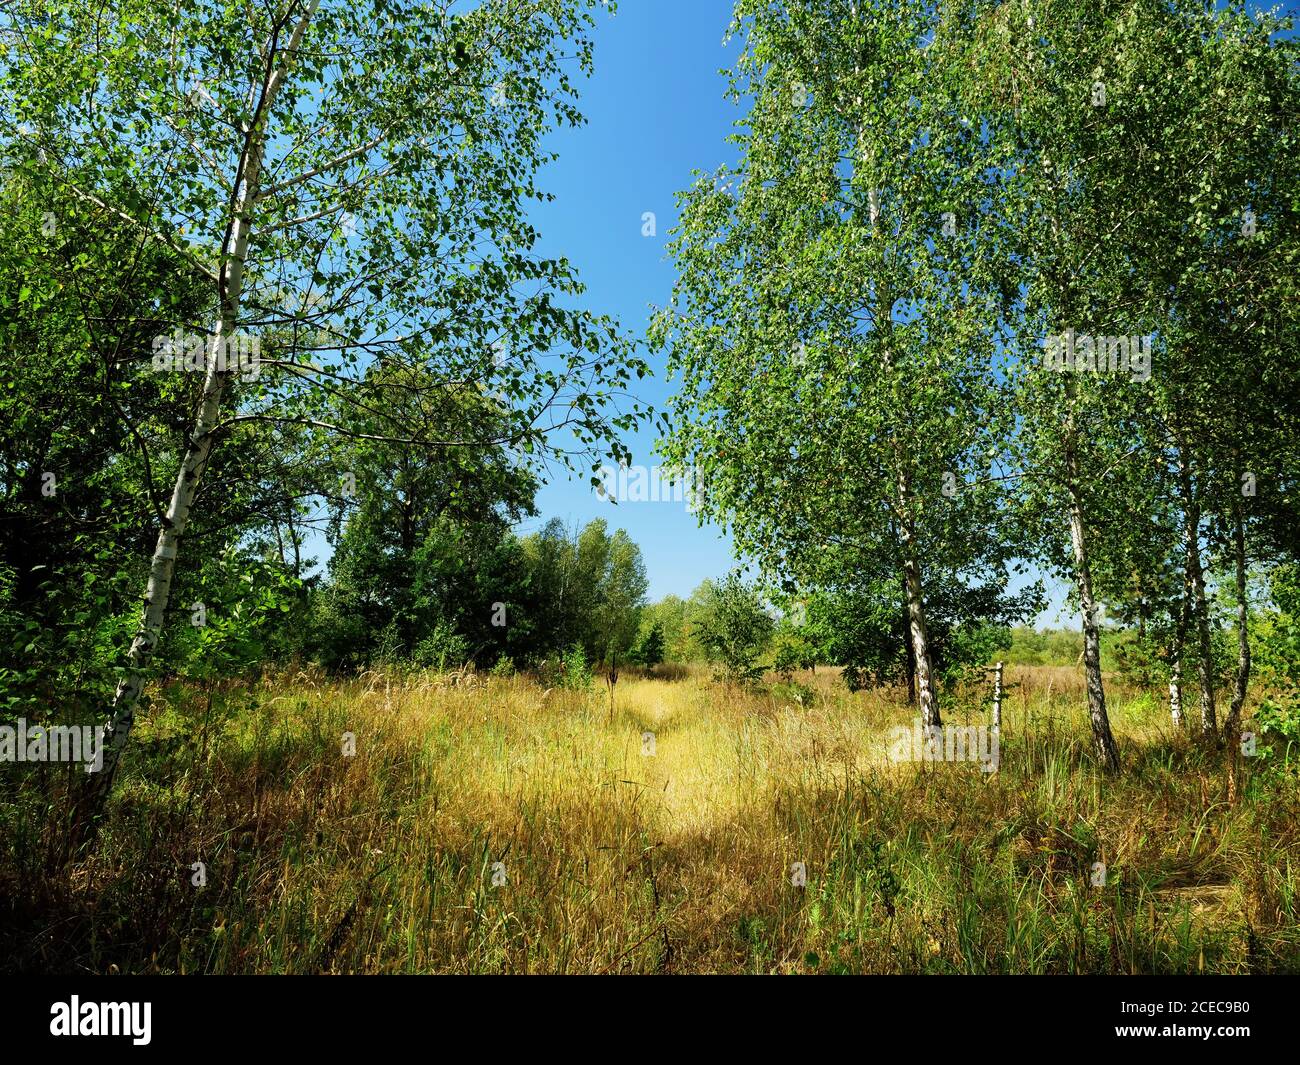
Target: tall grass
x: 616, y: 860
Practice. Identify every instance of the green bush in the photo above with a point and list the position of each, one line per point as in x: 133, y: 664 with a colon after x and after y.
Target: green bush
x: 1278, y: 720
x: 792, y: 651
x: 971, y: 647
x: 442, y: 649
x: 505, y: 667
x: 575, y: 669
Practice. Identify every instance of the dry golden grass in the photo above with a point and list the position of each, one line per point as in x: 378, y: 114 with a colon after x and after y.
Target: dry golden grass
x: 679, y: 861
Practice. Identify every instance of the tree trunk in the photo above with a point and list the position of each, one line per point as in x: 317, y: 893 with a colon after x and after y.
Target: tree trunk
x: 1144, y: 608
x: 997, y: 698
x: 1196, y: 584
x: 1176, y: 662
x: 1243, y: 628
x: 926, y: 698
x: 297, y: 547
x: 247, y: 185
x: 122, y: 716
x: 909, y: 656
x: 1103, y: 740
x: 920, y: 637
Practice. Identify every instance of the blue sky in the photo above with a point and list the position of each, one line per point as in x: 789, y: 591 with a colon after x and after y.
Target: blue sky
x: 656, y: 111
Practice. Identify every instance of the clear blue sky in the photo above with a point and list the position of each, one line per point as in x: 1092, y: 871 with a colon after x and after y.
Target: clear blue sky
x: 655, y: 110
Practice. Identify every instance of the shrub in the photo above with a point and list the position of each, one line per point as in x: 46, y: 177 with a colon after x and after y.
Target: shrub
x: 505, y: 667
x: 576, y: 670
x: 442, y: 649
x: 1278, y: 719
x: 970, y: 648
x: 793, y: 692
x: 792, y: 652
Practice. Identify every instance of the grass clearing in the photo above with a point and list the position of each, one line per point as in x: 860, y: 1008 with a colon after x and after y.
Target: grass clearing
x: 677, y: 861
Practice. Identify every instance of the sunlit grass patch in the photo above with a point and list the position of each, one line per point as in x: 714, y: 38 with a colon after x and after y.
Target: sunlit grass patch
x: 493, y: 825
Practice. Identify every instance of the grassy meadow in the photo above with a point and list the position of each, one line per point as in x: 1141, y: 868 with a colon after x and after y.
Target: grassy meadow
x: 619, y: 856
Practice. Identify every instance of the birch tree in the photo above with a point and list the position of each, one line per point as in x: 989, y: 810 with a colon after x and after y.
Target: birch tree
x: 1207, y: 254
x: 835, y: 317
x: 1060, y: 87
x: 1219, y: 239
x: 351, y: 181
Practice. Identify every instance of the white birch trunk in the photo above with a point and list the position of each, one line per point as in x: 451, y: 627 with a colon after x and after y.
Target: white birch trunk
x: 121, y: 718
x: 997, y: 698
x: 1195, y: 582
x: 926, y: 698
x: 1103, y: 740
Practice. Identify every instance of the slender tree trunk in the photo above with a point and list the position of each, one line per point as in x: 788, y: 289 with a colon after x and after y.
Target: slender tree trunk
x: 1176, y: 661
x: 1103, y: 740
x: 926, y: 698
x: 1144, y: 608
x: 913, y: 590
x: 920, y: 637
x: 122, y: 716
x: 1232, y: 727
x: 1200, y: 611
x: 297, y: 548
x: 909, y: 656
x: 997, y: 698
x: 247, y: 186
x: 1243, y: 628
